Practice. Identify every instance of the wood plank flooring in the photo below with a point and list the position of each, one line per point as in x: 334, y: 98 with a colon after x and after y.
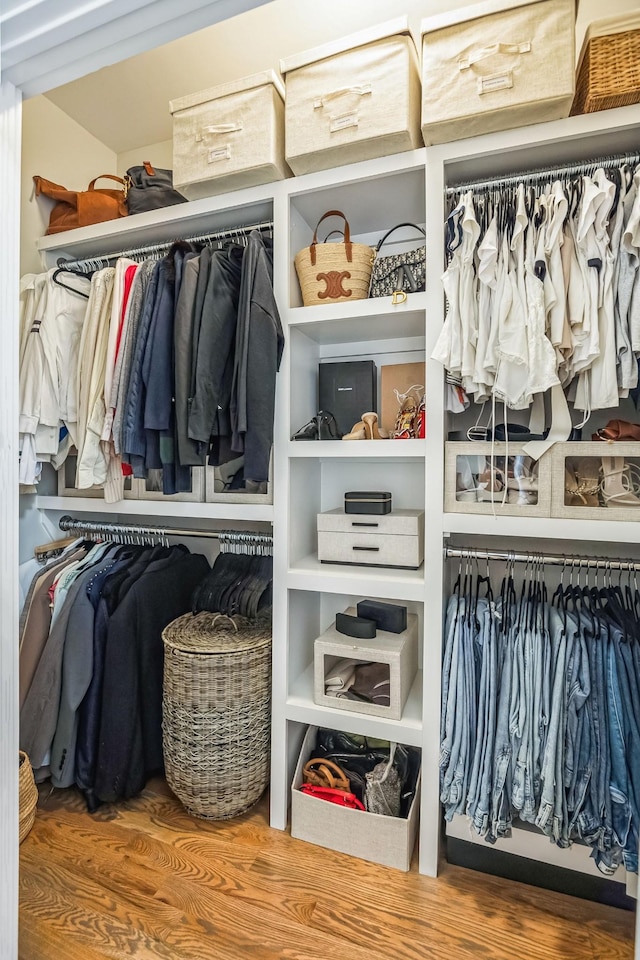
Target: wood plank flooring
x: 144, y: 880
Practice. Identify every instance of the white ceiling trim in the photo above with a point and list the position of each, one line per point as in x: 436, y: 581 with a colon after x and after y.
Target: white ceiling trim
x: 46, y: 43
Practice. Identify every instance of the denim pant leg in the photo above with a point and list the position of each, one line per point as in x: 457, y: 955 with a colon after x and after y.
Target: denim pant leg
x: 629, y: 698
x: 555, y: 729
x: 518, y: 715
x: 609, y: 861
x: 451, y: 691
x: 581, y: 728
x: 481, y: 729
x: 480, y: 793
x: 500, y: 821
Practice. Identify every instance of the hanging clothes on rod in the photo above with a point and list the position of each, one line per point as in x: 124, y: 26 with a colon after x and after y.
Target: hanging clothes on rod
x: 156, y: 250
x: 542, y: 288
x: 170, y: 363
x: 123, y: 532
x: 540, y: 713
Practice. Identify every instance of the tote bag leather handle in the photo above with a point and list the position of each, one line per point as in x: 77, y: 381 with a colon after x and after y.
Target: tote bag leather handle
x: 347, y: 235
x: 105, y: 176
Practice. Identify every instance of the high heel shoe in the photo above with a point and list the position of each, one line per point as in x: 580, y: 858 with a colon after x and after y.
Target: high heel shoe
x: 582, y: 483
x: 620, y: 483
x: 372, y: 430
x: 491, y: 485
x: 405, y: 420
x: 522, y: 487
x: 358, y: 432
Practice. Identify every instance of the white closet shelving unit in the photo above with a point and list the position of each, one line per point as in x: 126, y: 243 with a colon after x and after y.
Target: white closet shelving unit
x: 310, y: 477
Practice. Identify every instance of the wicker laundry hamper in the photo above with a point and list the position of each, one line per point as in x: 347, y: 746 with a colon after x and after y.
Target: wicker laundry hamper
x: 216, y: 717
x: 28, y: 795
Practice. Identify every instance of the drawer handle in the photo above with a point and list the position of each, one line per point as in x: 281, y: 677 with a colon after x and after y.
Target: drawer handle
x: 357, y: 523
x: 368, y: 549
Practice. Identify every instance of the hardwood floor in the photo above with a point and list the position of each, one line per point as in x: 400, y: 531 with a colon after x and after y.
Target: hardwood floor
x: 145, y: 880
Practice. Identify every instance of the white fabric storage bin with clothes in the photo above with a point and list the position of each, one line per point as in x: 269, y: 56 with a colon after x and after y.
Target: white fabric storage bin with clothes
x: 370, y: 836
x: 229, y: 137
x: 495, y: 66
x: 353, y: 99
x: 398, y: 650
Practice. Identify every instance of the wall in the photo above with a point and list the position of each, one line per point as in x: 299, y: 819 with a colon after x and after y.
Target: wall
x: 159, y: 154
x: 56, y: 147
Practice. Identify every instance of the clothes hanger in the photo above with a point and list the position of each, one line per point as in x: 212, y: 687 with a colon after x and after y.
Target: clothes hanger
x: 74, y: 273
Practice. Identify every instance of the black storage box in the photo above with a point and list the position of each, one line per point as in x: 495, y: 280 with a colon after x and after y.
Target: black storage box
x: 347, y: 389
x: 374, y: 502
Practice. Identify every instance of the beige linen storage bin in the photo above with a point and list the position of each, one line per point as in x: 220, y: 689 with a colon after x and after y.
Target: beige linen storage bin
x: 495, y: 66
x: 229, y: 137
x: 393, y: 540
x: 398, y: 650
x: 353, y: 99
x: 596, y: 480
x: 475, y: 480
x: 385, y: 840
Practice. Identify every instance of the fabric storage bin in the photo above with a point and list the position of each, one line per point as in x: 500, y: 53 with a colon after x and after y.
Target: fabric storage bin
x: 495, y: 66
x: 596, y: 480
x: 385, y: 840
x: 398, y: 650
x: 67, y: 482
x: 608, y: 72
x: 369, y: 540
x: 476, y: 480
x: 229, y: 137
x: 353, y: 99
x: 151, y: 488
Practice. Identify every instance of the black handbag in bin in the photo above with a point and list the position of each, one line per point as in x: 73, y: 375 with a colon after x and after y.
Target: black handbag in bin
x: 398, y: 273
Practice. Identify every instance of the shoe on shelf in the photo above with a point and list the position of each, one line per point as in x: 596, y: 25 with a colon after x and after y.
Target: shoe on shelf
x: 620, y: 483
x: 327, y: 426
x: 420, y: 420
x: 522, y: 486
x: 491, y: 485
x: 582, y: 483
x: 308, y: 432
x: 358, y: 432
x: 372, y: 430
x: 405, y: 420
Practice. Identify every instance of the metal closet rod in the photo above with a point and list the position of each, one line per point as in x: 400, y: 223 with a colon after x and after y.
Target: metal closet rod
x: 74, y: 525
x: 542, y: 176
x: 132, y: 254
x: 557, y: 560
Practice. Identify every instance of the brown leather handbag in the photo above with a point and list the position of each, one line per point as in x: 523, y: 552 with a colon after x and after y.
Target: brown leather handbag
x: 618, y: 430
x: 81, y: 208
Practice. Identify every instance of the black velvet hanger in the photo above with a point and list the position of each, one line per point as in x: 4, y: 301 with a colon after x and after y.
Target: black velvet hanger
x: 74, y: 273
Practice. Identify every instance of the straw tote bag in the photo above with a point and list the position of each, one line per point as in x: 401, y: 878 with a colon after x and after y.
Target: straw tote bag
x: 334, y: 272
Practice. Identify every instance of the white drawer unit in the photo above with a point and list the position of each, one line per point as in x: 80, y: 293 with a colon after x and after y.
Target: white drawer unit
x: 353, y: 99
x: 496, y: 65
x: 229, y: 137
x: 394, y: 540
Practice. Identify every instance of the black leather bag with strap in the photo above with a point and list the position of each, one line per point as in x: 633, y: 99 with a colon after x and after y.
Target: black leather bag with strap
x: 398, y: 274
x: 150, y: 188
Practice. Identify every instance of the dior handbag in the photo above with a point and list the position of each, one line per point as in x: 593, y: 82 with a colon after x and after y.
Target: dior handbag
x: 398, y: 274
x: 333, y: 272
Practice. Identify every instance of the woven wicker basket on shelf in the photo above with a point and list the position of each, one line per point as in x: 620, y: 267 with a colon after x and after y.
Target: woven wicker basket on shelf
x: 28, y: 795
x: 216, y: 718
x: 608, y: 72
x: 334, y: 272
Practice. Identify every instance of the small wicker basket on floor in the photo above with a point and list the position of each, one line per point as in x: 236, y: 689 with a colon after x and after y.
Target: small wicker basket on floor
x: 216, y: 716
x: 608, y: 72
x: 28, y: 795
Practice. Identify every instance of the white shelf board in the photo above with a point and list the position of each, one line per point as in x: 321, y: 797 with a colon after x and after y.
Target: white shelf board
x: 361, y: 320
x: 209, y: 214
x: 544, y: 528
x: 357, y: 449
x: 393, y: 584
x: 301, y: 708
x: 159, y: 508
x: 533, y: 845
